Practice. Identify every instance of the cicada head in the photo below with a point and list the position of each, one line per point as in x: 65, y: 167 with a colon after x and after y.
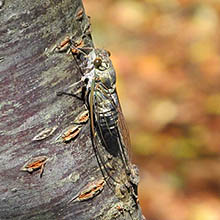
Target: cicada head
x: 105, y: 72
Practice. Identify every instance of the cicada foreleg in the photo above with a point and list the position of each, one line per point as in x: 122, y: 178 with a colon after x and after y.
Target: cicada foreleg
x: 79, y: 93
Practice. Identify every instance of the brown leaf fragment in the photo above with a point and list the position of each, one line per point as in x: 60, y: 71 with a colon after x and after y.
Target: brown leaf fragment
x: 44, y: 134
x: 82, y: 117
x: 71, y: 133
x: 64, y: 45
x: 90, y: 190
x: 34, y: 164
x: 79, y: 14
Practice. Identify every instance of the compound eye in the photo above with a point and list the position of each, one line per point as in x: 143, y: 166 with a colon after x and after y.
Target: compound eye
x: 97, y: 62
x: 109, y: 53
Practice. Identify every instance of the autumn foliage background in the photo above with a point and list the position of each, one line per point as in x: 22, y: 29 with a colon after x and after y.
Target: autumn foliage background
x: 167, y: 57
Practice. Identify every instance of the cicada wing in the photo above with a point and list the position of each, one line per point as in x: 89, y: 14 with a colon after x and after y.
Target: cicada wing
x: 110, y: 134
x: 123, y: 129
x: 98, y: 140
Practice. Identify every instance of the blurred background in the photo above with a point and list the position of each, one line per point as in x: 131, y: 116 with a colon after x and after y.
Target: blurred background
x: 167, y: 57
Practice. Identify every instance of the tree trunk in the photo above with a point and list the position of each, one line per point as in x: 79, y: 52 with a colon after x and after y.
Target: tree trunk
x: 43, y: 175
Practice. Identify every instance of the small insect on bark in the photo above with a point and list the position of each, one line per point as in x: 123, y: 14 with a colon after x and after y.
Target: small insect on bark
x: 35, y: 164
x: 90, y: 190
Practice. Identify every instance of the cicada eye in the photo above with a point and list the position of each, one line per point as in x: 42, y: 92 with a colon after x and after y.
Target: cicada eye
x: 97, y: 62
x: 109, y: 53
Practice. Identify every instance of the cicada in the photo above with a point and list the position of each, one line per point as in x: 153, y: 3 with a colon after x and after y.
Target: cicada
x: 106, y: 119
x: 108, y: 130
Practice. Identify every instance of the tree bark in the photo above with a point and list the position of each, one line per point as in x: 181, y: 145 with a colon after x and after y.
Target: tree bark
x: 40, y: 174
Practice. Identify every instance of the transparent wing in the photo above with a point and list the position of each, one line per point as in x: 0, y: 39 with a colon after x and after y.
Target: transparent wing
x: 123, y: 128
x: 111, y: 132
x: 97, y: 139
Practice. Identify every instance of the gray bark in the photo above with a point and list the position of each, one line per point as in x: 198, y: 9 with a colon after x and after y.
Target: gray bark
x: 30, y: 76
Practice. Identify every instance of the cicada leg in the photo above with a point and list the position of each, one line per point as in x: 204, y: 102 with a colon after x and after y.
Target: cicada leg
x: 74, y: 94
